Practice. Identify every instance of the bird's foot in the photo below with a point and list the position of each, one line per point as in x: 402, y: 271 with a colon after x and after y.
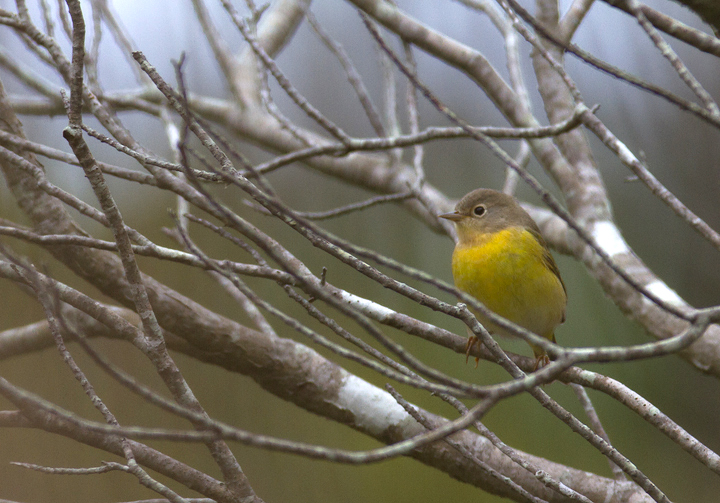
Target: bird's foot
x: 541, y: 361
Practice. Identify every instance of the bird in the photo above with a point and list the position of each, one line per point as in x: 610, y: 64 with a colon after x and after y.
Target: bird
x: 502, y: 260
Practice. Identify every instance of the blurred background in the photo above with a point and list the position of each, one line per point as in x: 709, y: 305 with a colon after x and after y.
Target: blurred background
x: 682, y: 151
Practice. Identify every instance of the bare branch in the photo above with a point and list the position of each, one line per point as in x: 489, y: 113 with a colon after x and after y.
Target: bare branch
x: 357, y: 291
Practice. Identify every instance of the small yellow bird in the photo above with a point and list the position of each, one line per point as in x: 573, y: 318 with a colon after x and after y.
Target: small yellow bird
x: 501, y: 259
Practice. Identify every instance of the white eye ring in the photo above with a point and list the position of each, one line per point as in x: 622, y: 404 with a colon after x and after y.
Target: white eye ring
x: 479, y: 210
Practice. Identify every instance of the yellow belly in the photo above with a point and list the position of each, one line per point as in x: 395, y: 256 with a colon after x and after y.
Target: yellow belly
x: 506, y: 271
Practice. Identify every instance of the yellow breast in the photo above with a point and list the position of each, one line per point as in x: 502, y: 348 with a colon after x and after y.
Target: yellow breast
x: 508, y: 272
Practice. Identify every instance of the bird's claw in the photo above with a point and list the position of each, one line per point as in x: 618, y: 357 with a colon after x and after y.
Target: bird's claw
x: 472, y: 340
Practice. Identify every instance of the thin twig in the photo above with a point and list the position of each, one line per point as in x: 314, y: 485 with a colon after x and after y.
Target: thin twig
x: 596, y: 425
x: 648, y: 412
x: 215, y: 429
x: 156, y: 350
x: 280, y: 77
x: 350, y: 208
x: 148, y: 250
x: 614, y: 71
x: 107, y: 467
x: 674, y: 60
x: 353, y: 76
x: 626, y: 156
x: 518, y: 458
x: 428, y: 134
x: 673, y: 27
x: 514, y: 487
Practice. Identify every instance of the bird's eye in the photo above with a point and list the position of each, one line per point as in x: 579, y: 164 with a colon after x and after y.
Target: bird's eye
x: 479, y: 210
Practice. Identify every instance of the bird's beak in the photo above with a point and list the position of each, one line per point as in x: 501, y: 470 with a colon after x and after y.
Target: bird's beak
x: 454, y: 216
